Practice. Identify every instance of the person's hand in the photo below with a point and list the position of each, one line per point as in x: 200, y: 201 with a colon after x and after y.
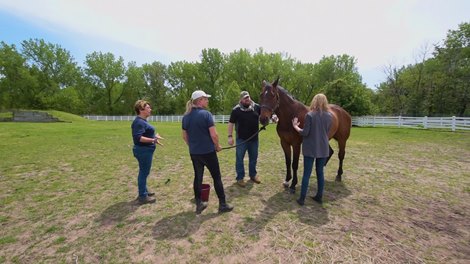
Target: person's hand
x: 230, y: 141
x: 218, y: 148
x: 157, y: 139
x: 274, y: 118
x: 295, y: 122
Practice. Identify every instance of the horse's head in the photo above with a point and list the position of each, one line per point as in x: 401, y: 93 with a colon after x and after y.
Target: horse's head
x: 269, y: 101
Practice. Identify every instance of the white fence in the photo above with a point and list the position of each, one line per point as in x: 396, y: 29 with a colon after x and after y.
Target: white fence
x: 453, y: 123
x: 176, y: 118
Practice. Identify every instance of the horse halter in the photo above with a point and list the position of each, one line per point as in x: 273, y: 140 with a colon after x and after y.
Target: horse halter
x: 271, y: 108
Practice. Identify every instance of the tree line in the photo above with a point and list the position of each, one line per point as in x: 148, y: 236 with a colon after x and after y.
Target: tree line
x: 42, y: 75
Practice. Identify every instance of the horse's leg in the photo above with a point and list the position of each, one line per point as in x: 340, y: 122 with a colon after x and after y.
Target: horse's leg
x: 331, y: 154
x: 287, y: 155
x: 341, y: 154
x: 295, y: 166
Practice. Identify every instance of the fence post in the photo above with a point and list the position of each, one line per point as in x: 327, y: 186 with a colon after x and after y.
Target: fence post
x: 425, y: 122
x: 399, y: 121
x: 453, y: 123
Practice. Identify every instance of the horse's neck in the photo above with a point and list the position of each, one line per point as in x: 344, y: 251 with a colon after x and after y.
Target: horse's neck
x: 289, y: 108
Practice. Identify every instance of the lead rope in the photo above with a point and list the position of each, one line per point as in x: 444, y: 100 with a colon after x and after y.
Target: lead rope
x: 252, y: 136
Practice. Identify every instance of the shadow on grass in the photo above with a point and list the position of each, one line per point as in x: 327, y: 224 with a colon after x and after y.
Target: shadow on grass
x: 234, y: 190
x: 180, y: 225
x: 311, y: 213
x: 333, y: 191
x: 118, y: 212
x: 231, y: 191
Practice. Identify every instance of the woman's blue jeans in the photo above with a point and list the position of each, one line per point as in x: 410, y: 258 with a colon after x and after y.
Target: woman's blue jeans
x: 252, y: 148
x: 144, y: 156
x: 308, y: 166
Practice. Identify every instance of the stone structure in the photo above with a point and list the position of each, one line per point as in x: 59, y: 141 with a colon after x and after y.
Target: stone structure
x: 33, y: 116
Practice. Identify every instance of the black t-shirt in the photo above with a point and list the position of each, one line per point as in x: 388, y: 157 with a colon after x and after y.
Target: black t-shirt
x: 246, y: 122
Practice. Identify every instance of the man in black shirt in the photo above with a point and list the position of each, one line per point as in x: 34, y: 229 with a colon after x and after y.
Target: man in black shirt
x: 245, y: 117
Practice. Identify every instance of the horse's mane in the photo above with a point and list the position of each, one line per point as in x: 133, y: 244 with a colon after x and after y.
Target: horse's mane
x: 284, y: 91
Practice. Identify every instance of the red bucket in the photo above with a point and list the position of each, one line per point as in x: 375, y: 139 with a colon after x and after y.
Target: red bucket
x: 206, y: 188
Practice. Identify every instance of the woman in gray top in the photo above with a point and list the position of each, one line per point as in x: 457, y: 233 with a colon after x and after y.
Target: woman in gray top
x: 315, y: 145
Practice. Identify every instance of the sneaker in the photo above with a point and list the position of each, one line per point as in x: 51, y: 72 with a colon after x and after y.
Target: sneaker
x: 146, y: 200
x: 300, y: 202
x: 255, y: 179
x: 241, y: 183
x: 200, y: 207
x: 317, y: 199
x: 225, y: 208
x: 150, y: 193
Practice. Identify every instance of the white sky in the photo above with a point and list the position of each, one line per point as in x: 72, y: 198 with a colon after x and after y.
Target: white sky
x: 376, y: 32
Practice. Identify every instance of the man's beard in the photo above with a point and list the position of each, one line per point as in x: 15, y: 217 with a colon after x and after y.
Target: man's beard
x: 246, y: 104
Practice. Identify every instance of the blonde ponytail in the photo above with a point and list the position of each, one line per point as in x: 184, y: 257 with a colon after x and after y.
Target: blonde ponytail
x: 189, y: 106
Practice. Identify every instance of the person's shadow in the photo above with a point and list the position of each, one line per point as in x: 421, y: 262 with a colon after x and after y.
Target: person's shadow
x: 180, y: 225
x: 234, y: 190
x: 118, y: 212
x: 311, y: 213
x: 231, y: 191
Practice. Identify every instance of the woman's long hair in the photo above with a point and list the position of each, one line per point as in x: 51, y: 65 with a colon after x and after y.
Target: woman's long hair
x: 189, y: 106
x: 319, y: 103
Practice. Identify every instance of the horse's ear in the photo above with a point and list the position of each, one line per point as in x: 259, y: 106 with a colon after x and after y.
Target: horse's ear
x: 264, y: 83
x: 276, y: 82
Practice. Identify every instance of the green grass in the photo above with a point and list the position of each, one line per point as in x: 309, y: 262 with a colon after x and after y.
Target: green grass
x: 68, y: 189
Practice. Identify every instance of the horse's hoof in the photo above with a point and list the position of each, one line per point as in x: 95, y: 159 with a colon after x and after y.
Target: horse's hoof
x: 292, y: 191
x: 338, y: 178
x: 285, y: 184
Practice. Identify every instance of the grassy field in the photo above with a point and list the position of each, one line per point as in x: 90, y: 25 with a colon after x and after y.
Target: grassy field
x: 67, y: 195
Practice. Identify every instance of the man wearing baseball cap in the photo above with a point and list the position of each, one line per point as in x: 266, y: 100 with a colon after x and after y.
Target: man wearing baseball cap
x: 245, y: 118
x: 200, y: 135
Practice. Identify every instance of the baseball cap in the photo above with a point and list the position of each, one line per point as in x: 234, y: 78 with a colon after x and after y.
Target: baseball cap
x: 244, y: 94
x: 197, y: 94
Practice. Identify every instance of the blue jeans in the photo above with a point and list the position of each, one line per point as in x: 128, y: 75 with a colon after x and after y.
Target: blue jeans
x: 144, y: 156
x: 308, y: 166
x: 252, y: 148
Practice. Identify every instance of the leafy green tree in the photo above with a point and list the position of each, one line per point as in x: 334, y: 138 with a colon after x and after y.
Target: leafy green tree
x: 264, y: 66
x: 106, y: 74
x: 155, y: 76
x: 52, y: 65
x: 68, y: 100
x: 211, y: 68
x: 236, y: 69
x: 183, y: 81
x: 354, y: 98
x: 303, y: 82
x: 231, y: 97
x: 133, y: 87
x: 17, y: 85
x: 454, y: 58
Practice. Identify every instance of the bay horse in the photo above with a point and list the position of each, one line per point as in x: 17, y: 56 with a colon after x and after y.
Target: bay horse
x: 275, y: 99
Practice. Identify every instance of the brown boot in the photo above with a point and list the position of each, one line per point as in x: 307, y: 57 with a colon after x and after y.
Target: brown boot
x: 241, y: 183
x: 146, y: 200
x: 255, y: 179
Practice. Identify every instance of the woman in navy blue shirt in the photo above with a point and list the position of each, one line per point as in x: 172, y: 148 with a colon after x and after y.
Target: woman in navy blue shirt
x: 315, y: 146
x: 144, y: 137
x: 200, y: 135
